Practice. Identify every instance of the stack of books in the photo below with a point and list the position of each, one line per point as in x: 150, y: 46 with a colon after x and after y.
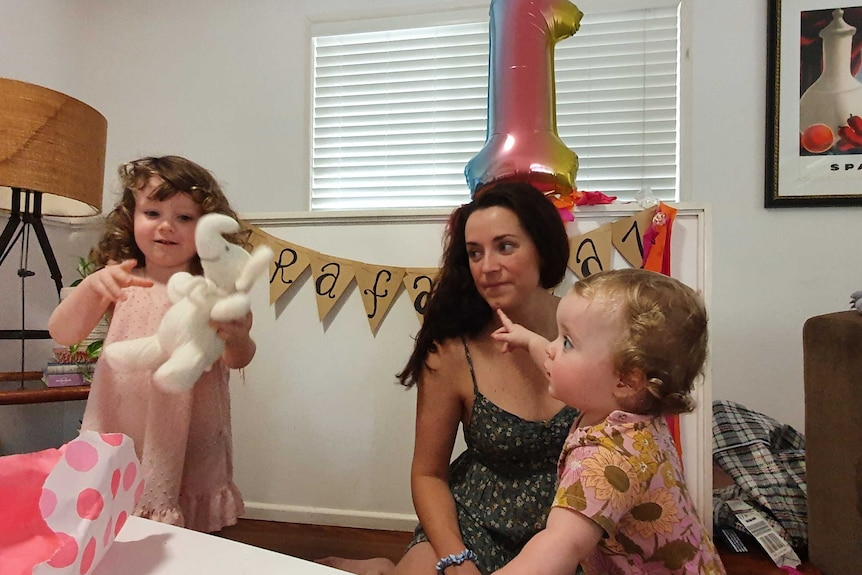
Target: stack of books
x: 57, y: 374
x: 74, y: 365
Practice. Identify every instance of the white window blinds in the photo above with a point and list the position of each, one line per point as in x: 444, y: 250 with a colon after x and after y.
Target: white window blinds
x: 397, y: 114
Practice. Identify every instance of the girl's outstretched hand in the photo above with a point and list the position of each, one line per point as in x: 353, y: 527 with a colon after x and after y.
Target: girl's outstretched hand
x: 239, y: 347
x: 78, y: 314
x: 109, y: 281
x: 513, y: 335
x: 233, y: 331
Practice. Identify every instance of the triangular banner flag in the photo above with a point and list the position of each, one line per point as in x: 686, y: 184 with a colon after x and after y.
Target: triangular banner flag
x: 378, y: 286
x: 591, y: 252
x: 418, y: 282
x: 628, y: 235
x: 289, y: 263
x: 331, y: 278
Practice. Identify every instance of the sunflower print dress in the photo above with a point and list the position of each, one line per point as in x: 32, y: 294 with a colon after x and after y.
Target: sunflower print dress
x: 625, y: 475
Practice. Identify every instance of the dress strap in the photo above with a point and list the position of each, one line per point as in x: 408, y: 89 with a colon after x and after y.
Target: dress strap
x: 470, y: 363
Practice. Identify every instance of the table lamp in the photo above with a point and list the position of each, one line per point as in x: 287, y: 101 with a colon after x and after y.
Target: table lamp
x: 52, y: 163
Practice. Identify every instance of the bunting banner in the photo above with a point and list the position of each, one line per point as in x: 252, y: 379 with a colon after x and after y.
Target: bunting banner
x: 642, y: 239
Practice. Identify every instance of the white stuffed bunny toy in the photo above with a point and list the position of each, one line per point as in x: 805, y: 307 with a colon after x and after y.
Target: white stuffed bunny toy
x: 856, y: 301
x: 185, y: 345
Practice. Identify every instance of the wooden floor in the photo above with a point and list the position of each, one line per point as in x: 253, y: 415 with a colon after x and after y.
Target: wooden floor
x: 312, y: 542
x: 317, y: 541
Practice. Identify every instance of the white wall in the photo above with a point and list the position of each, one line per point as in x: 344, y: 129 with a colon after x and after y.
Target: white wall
x: 772, y: 269
x: 225, y: 83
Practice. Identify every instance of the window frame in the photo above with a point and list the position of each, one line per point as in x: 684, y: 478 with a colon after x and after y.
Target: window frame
x: 473, y: 14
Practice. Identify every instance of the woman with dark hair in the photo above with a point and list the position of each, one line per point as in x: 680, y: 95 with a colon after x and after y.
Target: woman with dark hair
x: 504, y: 250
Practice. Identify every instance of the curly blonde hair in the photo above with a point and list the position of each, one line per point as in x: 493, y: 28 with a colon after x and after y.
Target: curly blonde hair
x: 180, y: 176
x: 664, y: 325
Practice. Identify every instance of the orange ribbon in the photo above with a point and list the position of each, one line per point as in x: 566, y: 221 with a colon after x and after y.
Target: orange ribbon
x: 656, y: 242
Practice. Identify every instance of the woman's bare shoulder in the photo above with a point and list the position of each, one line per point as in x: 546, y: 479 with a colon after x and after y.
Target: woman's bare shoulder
x: 446, y: 372
x: 448, y: 354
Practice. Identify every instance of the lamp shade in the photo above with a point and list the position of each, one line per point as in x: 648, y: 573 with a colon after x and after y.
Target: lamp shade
x: 54, y: 144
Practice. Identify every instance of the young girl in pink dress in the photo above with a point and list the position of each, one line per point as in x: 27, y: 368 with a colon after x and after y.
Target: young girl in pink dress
x: 630, y: 345
x: 182, y: 439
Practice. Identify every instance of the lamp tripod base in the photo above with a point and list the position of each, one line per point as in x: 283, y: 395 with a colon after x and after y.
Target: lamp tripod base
x: 20, y: 221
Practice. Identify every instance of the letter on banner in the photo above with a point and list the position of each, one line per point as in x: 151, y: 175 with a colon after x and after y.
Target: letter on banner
x: 591, y: 252
x: 331, y: 278
x: 288, y: 263
x: 418, y: 282
x: 378, y: 286
x: 628, y: 236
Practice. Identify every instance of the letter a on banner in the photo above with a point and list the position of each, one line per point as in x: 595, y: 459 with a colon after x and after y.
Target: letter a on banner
x: 591, y: 252
x: 378, y: 286
x: 418, y: 282
x: 331, y: 278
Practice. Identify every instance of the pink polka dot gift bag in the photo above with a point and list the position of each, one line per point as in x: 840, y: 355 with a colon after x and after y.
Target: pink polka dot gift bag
x: 60, y: 509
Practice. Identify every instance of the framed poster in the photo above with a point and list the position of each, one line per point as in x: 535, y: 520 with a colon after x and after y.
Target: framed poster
x: 814, y: 104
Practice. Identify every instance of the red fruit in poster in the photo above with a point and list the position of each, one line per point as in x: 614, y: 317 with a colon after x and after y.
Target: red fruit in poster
x: 850, y: 138
x: 817, y: 138
x: 855, y: 122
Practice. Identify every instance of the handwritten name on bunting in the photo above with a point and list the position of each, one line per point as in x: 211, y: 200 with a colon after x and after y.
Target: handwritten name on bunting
x: 379, y: 285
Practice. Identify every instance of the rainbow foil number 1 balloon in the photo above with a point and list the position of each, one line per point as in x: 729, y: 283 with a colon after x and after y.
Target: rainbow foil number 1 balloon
x: 522, y: 143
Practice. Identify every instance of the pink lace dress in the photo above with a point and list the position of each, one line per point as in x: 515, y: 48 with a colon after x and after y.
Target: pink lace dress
x: 183, y: 440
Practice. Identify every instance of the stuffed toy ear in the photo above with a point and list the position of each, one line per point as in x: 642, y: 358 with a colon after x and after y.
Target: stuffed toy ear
x: 256, y: 267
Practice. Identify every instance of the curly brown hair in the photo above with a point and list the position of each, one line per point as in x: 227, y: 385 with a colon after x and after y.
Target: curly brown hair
x: 664, y: 324
x: 181, y: 176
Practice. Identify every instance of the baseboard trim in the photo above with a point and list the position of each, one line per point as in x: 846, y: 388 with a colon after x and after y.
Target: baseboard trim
x: 332, y: 517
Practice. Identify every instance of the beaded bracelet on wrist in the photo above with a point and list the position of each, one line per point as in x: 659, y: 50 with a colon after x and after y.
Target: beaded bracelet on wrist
x: 459, y: 559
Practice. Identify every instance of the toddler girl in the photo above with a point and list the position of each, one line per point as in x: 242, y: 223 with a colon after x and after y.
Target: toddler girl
x: 629, y: 347
x: 182, y: 439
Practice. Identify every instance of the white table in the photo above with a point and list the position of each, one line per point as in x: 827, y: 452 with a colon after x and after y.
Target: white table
x: 146, y: 547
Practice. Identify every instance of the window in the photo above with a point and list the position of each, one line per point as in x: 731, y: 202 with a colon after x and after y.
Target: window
x: 398, y: 113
